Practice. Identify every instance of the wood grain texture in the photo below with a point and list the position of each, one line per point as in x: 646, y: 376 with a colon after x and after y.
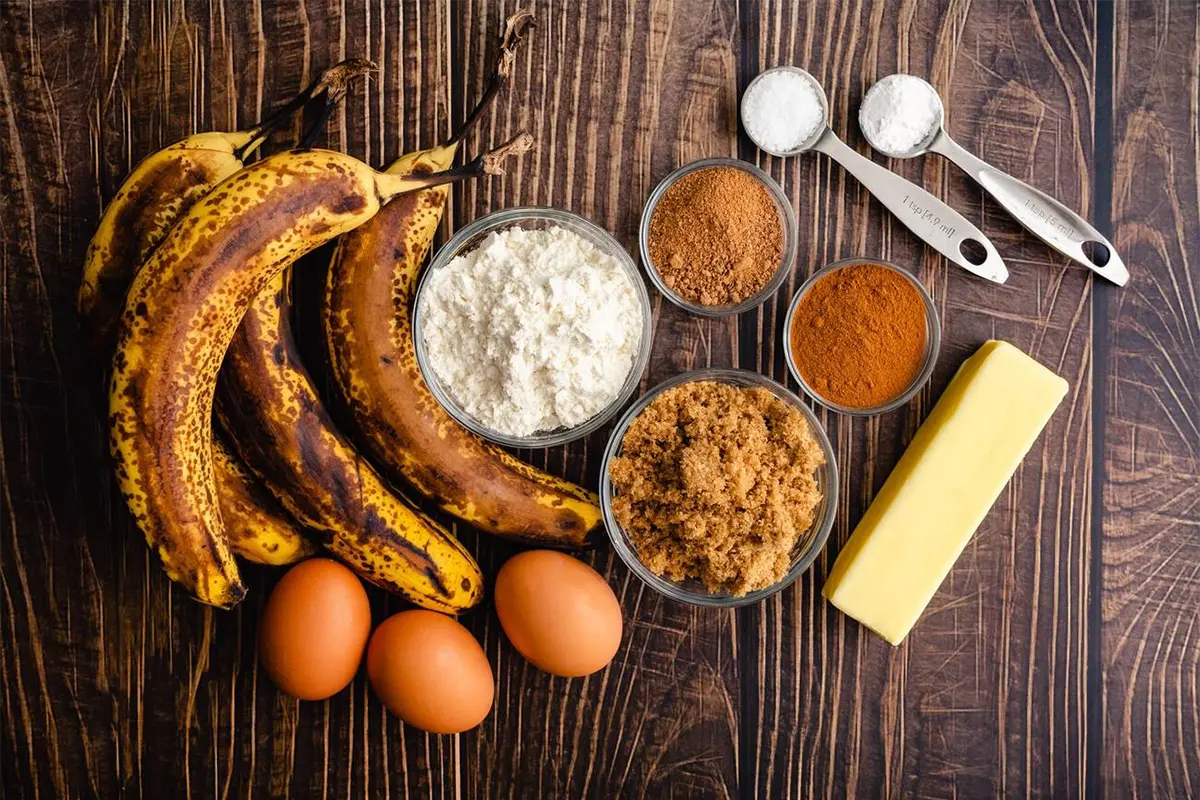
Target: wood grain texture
x: 1150, y: 583
x: 1061, y: 657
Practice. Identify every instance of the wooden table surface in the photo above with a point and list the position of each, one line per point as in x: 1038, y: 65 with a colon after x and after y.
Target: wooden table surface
x: 1060, y: 658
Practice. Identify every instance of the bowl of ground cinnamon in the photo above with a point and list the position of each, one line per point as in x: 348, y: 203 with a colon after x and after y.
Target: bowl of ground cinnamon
x: 862, y: 336
x: 718, y: 237
x: 718, y: 487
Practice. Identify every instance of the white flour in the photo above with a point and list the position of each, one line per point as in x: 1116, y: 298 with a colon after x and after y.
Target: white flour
x: 533, y: 330
x: 898, y: 114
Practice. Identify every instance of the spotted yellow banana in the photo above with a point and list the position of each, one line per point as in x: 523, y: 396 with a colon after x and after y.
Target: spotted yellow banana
x: 268, y: 402
x: 157, y: 193
x: 181, y: 313
x: 258, y: 528
x: 369, y: 335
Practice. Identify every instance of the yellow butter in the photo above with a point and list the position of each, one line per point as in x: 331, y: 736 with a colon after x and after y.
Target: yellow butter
x: 950, y: 475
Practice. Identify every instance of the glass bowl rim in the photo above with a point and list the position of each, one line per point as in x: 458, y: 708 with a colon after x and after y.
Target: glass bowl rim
x: 787, y: 259
x: 821, y: 526
x: 933, y: 339
x: 600, y: 237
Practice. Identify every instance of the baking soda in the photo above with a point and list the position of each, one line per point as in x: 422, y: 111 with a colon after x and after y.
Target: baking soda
x: 899, y: 114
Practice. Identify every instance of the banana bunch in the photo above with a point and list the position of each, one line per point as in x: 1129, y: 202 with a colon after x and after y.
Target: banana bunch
x: 196, y: 251
x: 159, y: 190
x: 181, y: 313
x: 369, y: 334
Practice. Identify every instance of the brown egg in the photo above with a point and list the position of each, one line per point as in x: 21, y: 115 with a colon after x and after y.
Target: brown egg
x: 314, y: 629
x: 558, y: 612
x: 430, y: 672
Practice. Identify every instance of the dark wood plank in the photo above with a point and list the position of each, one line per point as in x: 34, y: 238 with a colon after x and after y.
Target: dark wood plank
x: 617, y: 95
x: 60, y: 585
x: 987, y: 695
x: 1150, y: 581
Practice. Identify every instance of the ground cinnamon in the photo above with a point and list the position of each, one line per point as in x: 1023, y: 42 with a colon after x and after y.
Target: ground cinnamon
x: 858, y: 335
x: 715, y: 237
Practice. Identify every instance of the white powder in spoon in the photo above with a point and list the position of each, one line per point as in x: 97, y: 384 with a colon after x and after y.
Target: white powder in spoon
x: 899, y: 114
x: 533, y: 330
x: 781, y: 111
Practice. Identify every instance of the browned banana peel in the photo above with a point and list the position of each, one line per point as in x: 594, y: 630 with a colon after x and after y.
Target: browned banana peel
x: 161, y: 189
x: 270, y: 405
x: 258, y: 528
x: 369, y: 333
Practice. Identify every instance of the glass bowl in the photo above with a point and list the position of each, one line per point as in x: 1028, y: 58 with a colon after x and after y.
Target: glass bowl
x: 787, y: 222
x: 533, y: 218
x: 933, y: 340
x: 803, y: 554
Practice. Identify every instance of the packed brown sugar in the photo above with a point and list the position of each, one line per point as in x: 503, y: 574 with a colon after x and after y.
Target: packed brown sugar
x: 716, y: 483
x: 715, y: 236
x: 858, y: 335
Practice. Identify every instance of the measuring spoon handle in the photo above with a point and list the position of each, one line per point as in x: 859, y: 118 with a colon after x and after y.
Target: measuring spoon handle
x: 1044, y: 217
x: 937, y: 224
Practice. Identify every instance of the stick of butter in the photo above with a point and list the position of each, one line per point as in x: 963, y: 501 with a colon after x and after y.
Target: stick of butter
x: 950, y: 475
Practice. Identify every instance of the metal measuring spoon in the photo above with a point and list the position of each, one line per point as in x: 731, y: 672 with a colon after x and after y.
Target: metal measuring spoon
x: 1044, y: 217
x: 934, y: 222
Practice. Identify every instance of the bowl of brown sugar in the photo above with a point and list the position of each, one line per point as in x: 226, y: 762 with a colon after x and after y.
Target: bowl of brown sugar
x: 719, y: 487
x: 718, y: 237
x: 862, y: 336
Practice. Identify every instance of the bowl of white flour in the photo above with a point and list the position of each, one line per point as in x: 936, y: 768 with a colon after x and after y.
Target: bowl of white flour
x: 532, y: 327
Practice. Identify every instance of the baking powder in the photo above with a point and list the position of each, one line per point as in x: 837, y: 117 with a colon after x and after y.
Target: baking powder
x: 781, y: 111
x: 533, y: 330
x: 899, y: 113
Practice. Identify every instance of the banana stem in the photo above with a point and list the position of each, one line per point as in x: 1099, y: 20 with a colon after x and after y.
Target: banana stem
x: 335, y: 79
x: 490, y: 163
x: 336, y: 82
x: 515, y: 28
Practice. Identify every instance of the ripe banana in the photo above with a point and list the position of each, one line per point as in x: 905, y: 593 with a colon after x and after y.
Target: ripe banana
x: 258, y: 528
x: 159, y: 190
x: 181, y: 313
x: 266, y: 399
x: 369, y: 334
x: 155, y: 195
